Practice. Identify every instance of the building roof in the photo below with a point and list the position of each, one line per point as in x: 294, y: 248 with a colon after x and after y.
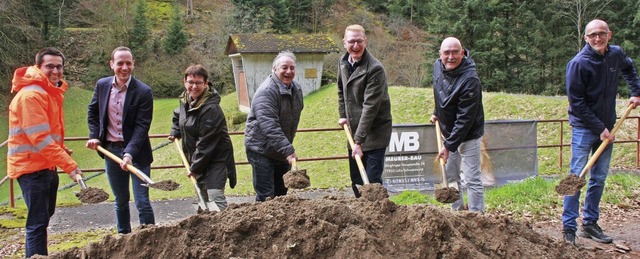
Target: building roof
x: 274, y: 43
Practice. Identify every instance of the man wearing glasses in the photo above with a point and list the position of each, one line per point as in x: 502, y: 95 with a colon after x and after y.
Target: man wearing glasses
x: 364, y: 105
x: 36, y: 142
x: 592, y: 86
x: 119, y: 118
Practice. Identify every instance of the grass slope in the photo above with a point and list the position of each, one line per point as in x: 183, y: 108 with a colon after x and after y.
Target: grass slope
x: 409, y: 106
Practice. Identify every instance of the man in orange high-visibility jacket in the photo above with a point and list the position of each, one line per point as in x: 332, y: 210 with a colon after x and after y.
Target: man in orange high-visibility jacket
x: 35, y: 145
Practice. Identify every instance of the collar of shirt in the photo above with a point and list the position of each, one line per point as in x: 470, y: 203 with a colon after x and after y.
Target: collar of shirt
x: 123, y: 87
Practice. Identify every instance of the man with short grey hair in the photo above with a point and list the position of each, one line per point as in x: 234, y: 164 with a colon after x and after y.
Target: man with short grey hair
x: 271, y: 126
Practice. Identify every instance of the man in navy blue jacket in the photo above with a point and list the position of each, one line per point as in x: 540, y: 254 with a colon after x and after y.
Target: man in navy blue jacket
x: 592, y: 85
x: 119, y: 117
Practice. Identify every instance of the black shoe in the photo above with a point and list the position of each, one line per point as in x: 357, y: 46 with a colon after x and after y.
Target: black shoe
x: 594, y: 232
x: 570, y: 236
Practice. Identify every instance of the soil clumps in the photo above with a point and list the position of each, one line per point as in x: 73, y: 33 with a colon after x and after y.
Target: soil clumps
x: 374, y: 192
x: 166, y: 185
x: 447, y: 195
x: 92, y: 195
x: 332, y: 227
x: 570, y: 185
x: 296, y: 179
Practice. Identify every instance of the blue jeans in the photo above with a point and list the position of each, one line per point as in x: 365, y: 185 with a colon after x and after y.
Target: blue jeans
x: 119, y: 181
x: 583, y: 142
x: 39, y: 190
x: 267, y: 175
x: 373, y: 161
x: 467, y: 160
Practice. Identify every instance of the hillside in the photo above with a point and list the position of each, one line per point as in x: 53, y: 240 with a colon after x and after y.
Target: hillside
x: 409, y: 106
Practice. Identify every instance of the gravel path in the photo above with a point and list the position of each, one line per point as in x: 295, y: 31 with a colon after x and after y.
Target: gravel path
x: 101, y: 215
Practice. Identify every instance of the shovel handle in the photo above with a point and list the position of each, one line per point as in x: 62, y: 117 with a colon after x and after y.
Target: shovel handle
x: 130, y: 167
x: 81, y: 181
x: 442, y: 162
x: 605, y: 142
x: 352, y: 144
x: 193, y: 180
x: 294, y: 166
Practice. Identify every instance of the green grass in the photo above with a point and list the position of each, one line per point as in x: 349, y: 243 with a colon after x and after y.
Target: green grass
x: 535, y: 198
x: 409, y: 106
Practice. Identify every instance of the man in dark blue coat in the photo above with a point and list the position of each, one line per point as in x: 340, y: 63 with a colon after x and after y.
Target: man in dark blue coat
x: 592, y: 86
x: 119, y: 118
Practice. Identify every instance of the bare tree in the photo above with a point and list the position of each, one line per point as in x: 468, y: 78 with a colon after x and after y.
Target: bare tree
x: 580, y: 12
x: 189, y: 8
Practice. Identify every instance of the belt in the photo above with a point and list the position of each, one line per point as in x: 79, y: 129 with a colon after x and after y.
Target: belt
x: 117, y: 144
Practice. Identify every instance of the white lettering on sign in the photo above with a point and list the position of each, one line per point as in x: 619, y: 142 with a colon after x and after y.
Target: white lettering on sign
x: 406, y: 141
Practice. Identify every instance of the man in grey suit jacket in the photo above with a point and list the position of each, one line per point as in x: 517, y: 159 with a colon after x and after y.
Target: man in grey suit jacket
x: 119, y: 117
x: 363, y: 103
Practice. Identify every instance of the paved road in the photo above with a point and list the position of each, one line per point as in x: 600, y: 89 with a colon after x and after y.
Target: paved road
x: 101, y: 215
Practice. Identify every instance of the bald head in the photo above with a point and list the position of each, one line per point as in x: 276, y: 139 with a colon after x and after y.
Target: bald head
x: 596, y: 24
x: 451, y: 53
x: 597, y: 35
x: 451, y: 41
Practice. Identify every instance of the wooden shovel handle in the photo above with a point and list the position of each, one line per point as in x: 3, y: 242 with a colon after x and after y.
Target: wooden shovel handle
x: 130, y: 167
x: 605, y: 142
x: 352, y: 144
x: 294, y: 166
x: 442, y: 162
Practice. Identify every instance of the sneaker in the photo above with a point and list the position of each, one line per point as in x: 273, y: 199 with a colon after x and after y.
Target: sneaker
x: 594, y: 232
x: 570, y: 236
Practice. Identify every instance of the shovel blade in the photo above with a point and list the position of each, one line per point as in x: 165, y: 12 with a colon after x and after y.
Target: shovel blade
x: 451, y: 185
x: 205, y: 206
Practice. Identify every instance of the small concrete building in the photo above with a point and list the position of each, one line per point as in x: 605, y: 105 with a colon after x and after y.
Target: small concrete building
x: 252, y: 57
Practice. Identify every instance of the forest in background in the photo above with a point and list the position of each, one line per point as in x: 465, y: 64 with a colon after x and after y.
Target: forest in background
x: 519, y: 46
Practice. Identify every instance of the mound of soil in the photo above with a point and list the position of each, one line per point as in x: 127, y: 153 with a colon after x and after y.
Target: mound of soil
x: 165, y: 185
x: 447, y: 195
x: 374, y: 192
x: 570, y: 185
x: 331, y: 227
x: 92, y: 195
x: 296, y: 179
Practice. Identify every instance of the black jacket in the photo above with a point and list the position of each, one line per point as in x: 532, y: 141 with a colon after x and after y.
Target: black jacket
x: 458, y: 101
x: 205, y: 139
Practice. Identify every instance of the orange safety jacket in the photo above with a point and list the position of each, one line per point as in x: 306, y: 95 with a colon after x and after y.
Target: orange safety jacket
x: 36, y: 125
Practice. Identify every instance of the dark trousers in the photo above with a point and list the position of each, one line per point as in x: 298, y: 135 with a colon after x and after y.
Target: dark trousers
x: 119, y: 182
x: 267, y: 175
x: 39, y: 190
x: 373, y: 161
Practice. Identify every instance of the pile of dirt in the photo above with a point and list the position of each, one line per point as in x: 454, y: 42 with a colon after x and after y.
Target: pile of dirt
x: 92, y: 195
x: 332, y: 227
x: 447, y: 195
x: 570, y: 185
x: 296, y: 179
x: 165, y: 185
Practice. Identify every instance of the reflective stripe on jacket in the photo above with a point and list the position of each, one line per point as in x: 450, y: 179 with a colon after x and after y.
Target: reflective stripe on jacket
x: 36, y: 125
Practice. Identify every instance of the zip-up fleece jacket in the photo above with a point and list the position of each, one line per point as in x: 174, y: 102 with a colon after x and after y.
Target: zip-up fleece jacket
x: 592, y: 86
x: 458, y: 102
x: 36, y: 125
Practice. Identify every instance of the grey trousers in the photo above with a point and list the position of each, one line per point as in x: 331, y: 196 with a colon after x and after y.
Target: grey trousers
x: 215, y: 195
x: 467, y: 159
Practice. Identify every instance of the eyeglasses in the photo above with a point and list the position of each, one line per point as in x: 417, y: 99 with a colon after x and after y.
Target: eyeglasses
x: 601, y: 34
x: 352, y: 42
x: 197, y: 83
x: 52, y: 66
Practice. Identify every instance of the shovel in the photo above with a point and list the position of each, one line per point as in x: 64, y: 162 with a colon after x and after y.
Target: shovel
x: 162, y: 185
x: 571, y: 184
x: 448, y: 192
x: 352, y: 144
x: 202, y: 204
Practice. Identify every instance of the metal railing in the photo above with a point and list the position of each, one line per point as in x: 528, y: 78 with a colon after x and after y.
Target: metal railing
x: 561, y: 145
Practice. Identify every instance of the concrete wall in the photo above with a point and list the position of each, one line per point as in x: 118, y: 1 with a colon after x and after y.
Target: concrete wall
x: 257, y: 67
